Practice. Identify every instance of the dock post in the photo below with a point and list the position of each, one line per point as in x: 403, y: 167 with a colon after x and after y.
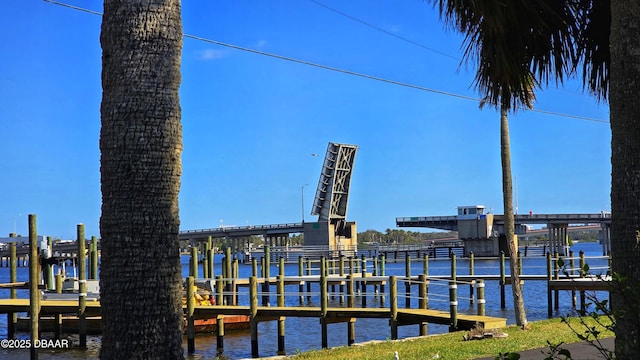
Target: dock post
x: 58, y: 318
x: 280, y: 301
x: 549, y: 296
x: 234, y: 283
x: 212, y: 267
x: 382, y: 273
x: 323, y: 303
x: 407, y: 282
x: 191, y: 302
x: 34, y: 293
x: 375, y: 273
x: 12, y: 317
x: 266, y: 270
x: 351, y: 331
x: 583, y: 308
x: 205, y: 262
x: 254, y: 267
x: 363, y: 283
x: 556, y: 275
x: 503, y: 281
x: 341, y: 274
x: 393, y: 307
x: 425, y: 264
x: 219, y: 290
x: 471, y: 272
x: 193, y: 263
x: 300, y: 273
x: 308, y: 282
x: 332, y: 271
x: 424, y: 300
x: 220, y: 333
x: 82, y: 287
x: 453, y: 305
x: 93, y: 252
x: 253, y: 312
x: 228, y: 275
x: 351, y: 326
x: 481, y: 300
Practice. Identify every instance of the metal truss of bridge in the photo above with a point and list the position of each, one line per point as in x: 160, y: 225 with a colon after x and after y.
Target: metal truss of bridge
x: 331, y: 201
x: 332, y: 194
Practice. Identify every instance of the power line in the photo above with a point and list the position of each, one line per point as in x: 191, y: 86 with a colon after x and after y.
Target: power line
x: 382, y: 30
x: 348, y: 72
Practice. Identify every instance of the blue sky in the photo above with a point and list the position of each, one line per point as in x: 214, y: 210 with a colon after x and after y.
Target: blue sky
x: 251, y: 122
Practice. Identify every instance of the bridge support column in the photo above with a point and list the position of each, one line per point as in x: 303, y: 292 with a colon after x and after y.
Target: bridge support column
x: 558, y: 240
x: 605, y: 238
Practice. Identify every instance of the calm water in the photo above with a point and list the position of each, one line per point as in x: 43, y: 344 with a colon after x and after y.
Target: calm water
x: 304, y: 334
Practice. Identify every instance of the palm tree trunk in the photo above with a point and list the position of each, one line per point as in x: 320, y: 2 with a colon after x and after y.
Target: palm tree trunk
x: 507, y: 195
x: 141, y: 146
x: 625, y: 174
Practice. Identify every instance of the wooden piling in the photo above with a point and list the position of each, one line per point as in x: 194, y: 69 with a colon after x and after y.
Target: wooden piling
x: 583, y: 307
x: 341, y: 284
x: 323, y: 303
x: 556, y: 275
x: 503, y: 281
x: 234, y: 286
x: 424, y: 300
x: 205, y: 263
x: 425, y: 264
x: 393, y: 307
x: 211, y: 262
x: 94, y: 258
x: 363, y: 283
x: 228, y: 274
x: 407, y: 282
x: 281, y: 302
x: 34, y: 279
x: 382, y: 263
x: 219, y: 290
x: 300, y: 273
x: 266, y: 269
x: 82, y: 287
x: 220, y: 333
x: 254, y: 267
x: 351, y: 326
x: 253, y: 315
x: 471, y: 272
x: 351, y: 331
x: 193, y: 263
x: 453, y: 305
x: 481, y: 299
x: 308, y: 282
x: 191, y: 302
x: 549, y: 292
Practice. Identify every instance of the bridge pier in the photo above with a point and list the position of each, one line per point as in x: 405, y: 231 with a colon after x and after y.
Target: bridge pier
x: 558, y: 240
x: 605, y: 238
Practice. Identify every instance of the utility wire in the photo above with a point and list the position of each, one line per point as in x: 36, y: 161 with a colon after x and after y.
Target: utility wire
x: 348, y: 72
x: 382, y: 30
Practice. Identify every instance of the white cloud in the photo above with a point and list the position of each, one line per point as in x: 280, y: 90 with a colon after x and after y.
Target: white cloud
x: 211, y: 54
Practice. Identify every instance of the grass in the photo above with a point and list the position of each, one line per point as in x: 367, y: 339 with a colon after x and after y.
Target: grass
x: 452, y: 345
